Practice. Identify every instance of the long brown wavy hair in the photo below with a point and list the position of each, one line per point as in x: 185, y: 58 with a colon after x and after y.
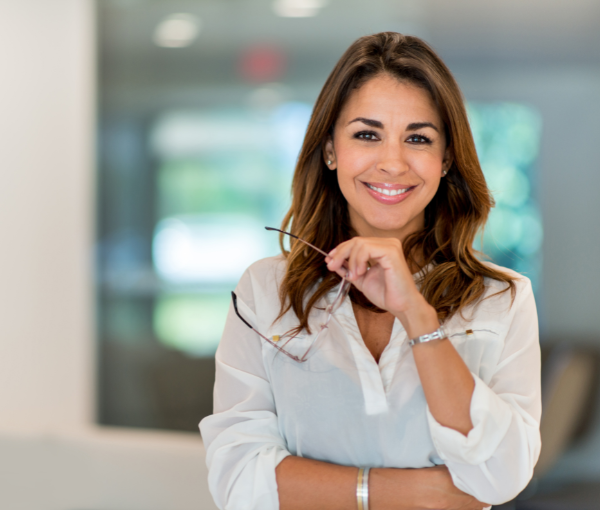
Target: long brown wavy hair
x: 319, y: 212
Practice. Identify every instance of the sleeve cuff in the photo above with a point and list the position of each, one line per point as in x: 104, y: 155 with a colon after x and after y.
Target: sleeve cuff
x: 261, y: 484
x: 491, y: 418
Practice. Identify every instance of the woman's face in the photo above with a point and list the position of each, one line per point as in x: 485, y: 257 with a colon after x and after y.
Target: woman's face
x: 389, y: 150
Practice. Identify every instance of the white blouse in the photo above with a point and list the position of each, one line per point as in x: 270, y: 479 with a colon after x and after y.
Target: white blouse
x: 342, y: 407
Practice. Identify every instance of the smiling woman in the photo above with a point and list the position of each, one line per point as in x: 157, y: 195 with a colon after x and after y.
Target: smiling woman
x: 422, y: 386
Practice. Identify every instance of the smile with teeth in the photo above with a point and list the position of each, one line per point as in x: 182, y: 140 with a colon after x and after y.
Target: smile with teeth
x: 390, y: 192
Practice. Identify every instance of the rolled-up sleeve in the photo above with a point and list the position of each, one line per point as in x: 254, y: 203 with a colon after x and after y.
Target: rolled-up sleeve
x: 242, y: 439
x: 495, y: 461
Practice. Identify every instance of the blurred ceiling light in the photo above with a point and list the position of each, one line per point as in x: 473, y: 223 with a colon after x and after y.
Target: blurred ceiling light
x: 298, y: 8
x: 177, y: 31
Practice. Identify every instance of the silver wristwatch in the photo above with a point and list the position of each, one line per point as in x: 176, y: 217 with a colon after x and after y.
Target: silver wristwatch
x: 438, y: 334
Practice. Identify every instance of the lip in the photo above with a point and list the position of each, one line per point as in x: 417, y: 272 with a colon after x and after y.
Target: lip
x: 389, y: 186
x: 386, y: 199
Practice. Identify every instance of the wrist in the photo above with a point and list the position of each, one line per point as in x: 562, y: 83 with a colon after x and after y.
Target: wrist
x: 419, y: 319
x: 393, y: 488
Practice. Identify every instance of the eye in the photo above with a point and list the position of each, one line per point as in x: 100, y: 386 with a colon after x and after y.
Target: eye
x: 366, y: 135
x: 419, y: 139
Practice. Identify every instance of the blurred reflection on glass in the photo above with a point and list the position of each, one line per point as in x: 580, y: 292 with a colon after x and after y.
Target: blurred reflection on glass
x: 223, y: 175
x: 507, y: 137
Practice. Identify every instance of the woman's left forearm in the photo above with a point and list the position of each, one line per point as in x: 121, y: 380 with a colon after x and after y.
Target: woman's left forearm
x: 447, y: 382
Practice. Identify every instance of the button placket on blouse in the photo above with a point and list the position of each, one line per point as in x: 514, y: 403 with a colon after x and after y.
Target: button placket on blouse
x: 375, y: 378
x: 368, y: 370
x: 391, y: 354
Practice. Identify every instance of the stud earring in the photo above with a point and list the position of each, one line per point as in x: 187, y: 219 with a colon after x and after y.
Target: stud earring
x: 329, y: 162
x: 444, y: 172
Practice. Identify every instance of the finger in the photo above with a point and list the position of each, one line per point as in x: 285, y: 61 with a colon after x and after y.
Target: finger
x: 342, y: 271
x: 364, y: 254
x: 359, y: 257
x: 339, y: 255
x: 336, y: 267
x: 351, y: 259
x: 334, y: 259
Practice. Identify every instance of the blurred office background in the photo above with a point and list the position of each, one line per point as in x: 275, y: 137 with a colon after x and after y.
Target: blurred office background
x: 145, y: 144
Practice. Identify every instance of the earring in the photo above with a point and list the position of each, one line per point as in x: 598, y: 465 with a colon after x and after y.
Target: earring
x: 329, y: 162
x: 444, y: 172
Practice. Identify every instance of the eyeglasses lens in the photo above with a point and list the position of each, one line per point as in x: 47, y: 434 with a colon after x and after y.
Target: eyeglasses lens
x: 340, y: 296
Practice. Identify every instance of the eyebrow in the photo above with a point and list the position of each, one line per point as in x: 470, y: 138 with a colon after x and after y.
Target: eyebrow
x: 420, y: 125
x: 368, y: 122
x: 411, y: 127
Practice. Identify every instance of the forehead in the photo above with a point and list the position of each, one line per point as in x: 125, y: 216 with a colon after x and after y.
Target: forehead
x: 385, y: 96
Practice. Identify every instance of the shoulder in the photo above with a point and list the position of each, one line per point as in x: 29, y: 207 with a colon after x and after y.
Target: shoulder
x: 260, y: 281
x: 267, y: 270
x: 498, y: 298
x: 492, y: 286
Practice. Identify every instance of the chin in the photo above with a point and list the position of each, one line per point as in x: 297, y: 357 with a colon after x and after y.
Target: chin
x: 387, y: 225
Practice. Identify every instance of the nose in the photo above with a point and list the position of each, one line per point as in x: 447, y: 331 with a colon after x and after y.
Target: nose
x: 392, y: 158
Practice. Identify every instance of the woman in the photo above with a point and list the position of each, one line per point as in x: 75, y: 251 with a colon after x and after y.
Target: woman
x: 389, y: 185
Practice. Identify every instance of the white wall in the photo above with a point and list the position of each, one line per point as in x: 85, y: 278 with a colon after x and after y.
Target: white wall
x: 51, y: 454
x: 46, y: 126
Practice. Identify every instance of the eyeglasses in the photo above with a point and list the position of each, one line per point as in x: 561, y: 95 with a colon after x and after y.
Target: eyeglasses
x: 305, y: 350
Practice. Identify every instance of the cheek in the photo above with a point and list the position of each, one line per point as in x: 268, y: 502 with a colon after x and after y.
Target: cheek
x: 427, y: 164
x: 353, y: 161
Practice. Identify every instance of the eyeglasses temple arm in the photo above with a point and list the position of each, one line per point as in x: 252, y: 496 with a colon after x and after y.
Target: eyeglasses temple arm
x: 234, y: 297
x: 296, y: 237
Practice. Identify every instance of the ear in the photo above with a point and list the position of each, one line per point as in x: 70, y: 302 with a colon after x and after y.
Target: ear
x: 447, y: 161
x: 329, y: 153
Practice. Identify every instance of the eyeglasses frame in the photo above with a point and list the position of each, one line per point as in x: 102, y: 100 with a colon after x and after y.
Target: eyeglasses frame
x: 341, y: 294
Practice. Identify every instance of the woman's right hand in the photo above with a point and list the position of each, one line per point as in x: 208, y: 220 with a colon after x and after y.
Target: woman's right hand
x: 418, y: 489
x: 437, y: 491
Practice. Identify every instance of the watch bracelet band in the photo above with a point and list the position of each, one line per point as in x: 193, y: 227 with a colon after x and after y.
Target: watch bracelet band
x: 438, y: 334
x: 362, y: 489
